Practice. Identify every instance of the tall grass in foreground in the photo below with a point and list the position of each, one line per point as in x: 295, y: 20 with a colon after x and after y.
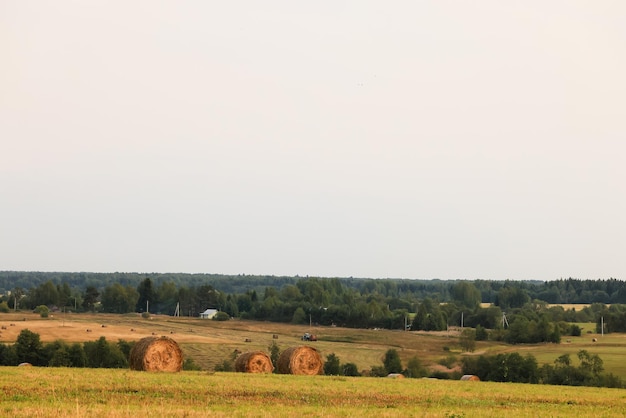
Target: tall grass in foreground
x: 47, y: 392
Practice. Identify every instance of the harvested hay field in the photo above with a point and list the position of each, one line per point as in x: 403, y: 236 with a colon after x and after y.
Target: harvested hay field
x: 156, y: 354
x: 303, y: 360
x: 254, y: 362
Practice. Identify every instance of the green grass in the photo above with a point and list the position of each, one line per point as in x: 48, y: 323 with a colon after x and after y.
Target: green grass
x: 611, y: 348
x: 47, y: 392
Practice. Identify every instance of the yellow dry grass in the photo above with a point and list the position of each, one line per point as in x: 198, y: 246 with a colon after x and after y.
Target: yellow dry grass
x: 209, y: 342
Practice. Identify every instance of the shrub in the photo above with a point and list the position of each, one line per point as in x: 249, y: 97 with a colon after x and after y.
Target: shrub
x: 440, y: 375
x: 448, y: 361
x: 481, y: 333
x: 42, y: 310
x: 125, y: 347
x: 189, y: 364
x: 221, y: 316
x: 378, y: 371
x: 350, y: 369
x: 414, y: 369
x: 225, y: 366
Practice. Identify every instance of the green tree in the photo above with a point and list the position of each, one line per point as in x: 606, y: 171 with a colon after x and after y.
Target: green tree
x: 77, y: 355
x: 166, y: 298
x: 590, y: 363
x: 274, y: 353
x: 331, y: 365
x: 468, y: 340
x: 518, y: 331
x: 61, y: 358
x: 299, y: 316
x: 392, y: 362
x: 147, y: 296
x: 414, y: 368
x: 44, y: 294
x: 8, y: 356
x: 466, y: 295
x: 119, y: 299
x: 125, y: 347
x: 29, y: 348
x: 90, y: 298
x: 512, y: 297
x: 481, y: 333
x: 101, y: 354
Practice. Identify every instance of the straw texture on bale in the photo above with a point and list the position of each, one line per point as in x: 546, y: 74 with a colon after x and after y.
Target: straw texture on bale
x: 156, y: 354
x: 300, y: 360
x: 254, y: 362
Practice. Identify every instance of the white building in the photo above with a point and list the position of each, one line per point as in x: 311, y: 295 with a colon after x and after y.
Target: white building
x: 208, y: 314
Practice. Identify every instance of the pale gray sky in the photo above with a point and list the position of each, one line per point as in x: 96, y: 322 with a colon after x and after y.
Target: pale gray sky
x: 414, y: 139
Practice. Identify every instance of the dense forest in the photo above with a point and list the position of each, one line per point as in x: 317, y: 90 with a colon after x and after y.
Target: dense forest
x: 520, y: 311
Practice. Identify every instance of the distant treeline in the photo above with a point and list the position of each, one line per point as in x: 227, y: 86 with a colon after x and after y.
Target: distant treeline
x: 520, y: 312
x: 569, y: 290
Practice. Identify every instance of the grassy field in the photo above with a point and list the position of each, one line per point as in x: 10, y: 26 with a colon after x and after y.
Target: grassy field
x: 47, y: 392
x: 52, y: 392
x: 211, y: 342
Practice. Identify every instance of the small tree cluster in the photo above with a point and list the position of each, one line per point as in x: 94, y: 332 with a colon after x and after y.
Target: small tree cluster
x: 333, y: 367
x: 513, y: 367
x: 507, y: 367
x: 393, y: 364
x: 587, y: 373
x: 28, y: 348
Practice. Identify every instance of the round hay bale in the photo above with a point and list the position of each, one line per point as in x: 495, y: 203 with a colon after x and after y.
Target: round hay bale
x: 254, y: 362
x: 300, y: 360
x: 470, y: 377
x: 156, y: 354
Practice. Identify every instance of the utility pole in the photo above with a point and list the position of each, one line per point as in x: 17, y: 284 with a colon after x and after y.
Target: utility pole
x: 602, y: 325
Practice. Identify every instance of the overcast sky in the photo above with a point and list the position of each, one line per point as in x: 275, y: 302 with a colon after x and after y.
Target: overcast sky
x: 412, y: 139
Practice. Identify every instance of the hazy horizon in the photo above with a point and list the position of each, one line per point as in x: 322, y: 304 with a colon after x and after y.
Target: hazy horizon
x: 423, y: 140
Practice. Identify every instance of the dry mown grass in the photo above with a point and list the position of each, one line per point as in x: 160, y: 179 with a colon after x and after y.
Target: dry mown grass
x: 211, y: 342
